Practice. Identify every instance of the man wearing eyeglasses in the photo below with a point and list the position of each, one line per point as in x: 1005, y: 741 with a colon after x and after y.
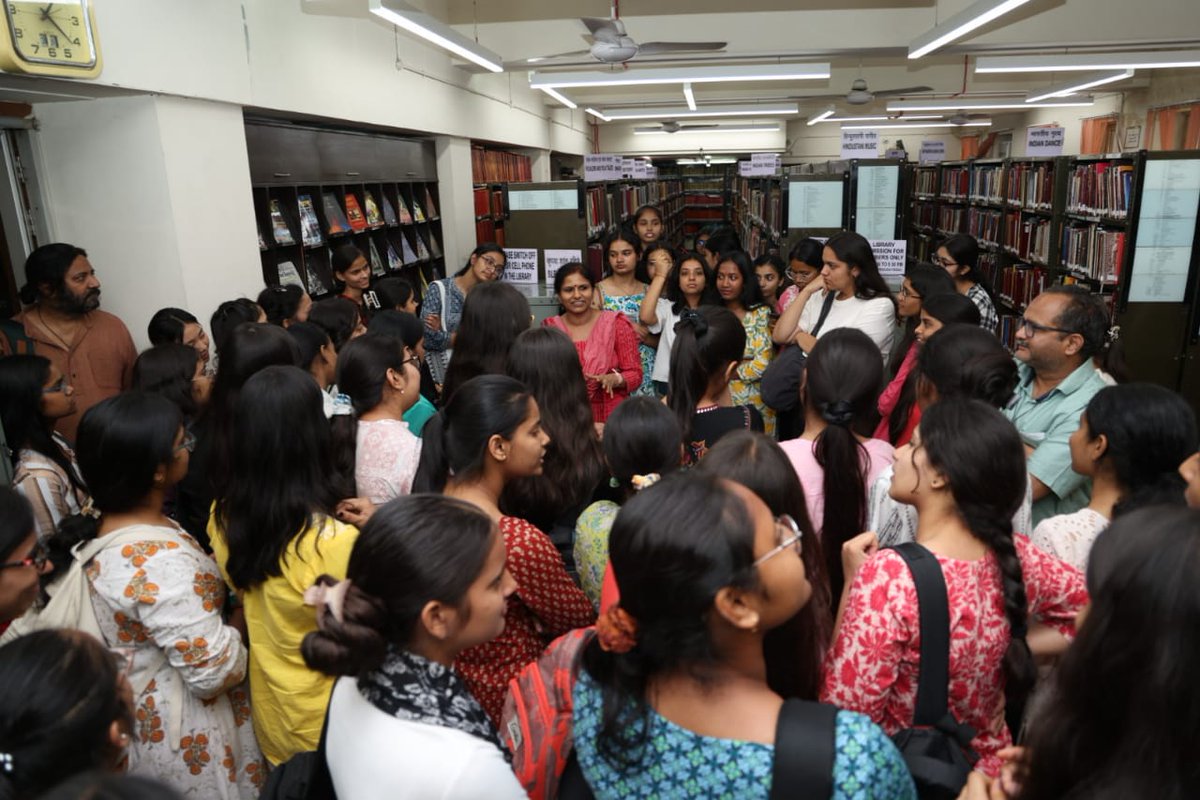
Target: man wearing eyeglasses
x: 1063, y: 328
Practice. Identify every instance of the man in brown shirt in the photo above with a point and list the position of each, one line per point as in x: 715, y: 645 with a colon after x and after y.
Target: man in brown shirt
x: 91, y: 347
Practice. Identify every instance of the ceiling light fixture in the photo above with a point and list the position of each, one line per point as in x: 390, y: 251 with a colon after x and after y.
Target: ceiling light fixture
x: 976, y: 123
x: 1084, y: 62
x: 566, y: 101
x: 984, y: 105
x: 687, y: 95
x: 973, y: 16
x: 597, y: 114
x: 416, y: 22
x: 824, y: 115
x: 730, y: 129
x: 641, y: 77
x: 706, y: 161
x: 1078, y: 85
x: 677, y: 112
x: 880, y: 118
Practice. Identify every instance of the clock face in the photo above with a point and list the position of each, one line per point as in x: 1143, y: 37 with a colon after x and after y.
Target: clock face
x: 52, y: 33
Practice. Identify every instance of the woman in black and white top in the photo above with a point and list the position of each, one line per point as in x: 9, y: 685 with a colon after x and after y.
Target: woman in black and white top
x: 426, y: 580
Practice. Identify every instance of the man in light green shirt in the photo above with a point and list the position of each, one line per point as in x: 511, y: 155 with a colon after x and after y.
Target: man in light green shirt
x: 1063, y: 328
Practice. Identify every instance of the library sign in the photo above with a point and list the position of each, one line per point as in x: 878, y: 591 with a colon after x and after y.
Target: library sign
x: 860, y: 144
x: 1046, y: 140
x: 521, y: 265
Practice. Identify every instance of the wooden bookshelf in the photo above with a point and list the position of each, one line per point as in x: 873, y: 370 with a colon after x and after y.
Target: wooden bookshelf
x: 758, y: 213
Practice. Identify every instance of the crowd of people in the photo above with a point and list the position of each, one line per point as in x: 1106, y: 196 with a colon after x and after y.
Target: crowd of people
x: 676, y: 541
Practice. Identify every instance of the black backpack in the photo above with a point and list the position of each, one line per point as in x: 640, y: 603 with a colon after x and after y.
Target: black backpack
x: 937, y: 748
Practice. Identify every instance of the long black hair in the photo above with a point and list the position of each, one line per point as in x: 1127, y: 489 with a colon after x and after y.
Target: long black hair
x: 390, y: 294
x: 641, y: 437
x: 228, y: 316
x: 796, y: 649
x: 1150, y: 431
x: 280, y: 303
x: 338, y: 317
x: 309, y: 339
x: 1122, y: 717
x: 415, y: 549
x: 987, y: 492
x: 624, y: 233
x: 843, y: 376
x: 486, y: 247
x: 167, y: 325
x: 279, y: 484
x: 545, y: 361
x: 492, y: 317
x: 855, y: 251
x: 16, y: 522
x: 672, y: 291
x: 707, y: 340
x: 964, y: 250
x: 967, y: 361
x: 454, y: 441
x: 928, y: 281
x: 22, y: 378
x: 60, y: 693
x: 169, y: 370
x: 673, y: 547
x: 48, y: 266
x: 751, y: 296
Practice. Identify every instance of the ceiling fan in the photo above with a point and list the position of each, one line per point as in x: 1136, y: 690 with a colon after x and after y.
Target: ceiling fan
x: 612, y: 45
x: 961, y: 118
x: 671, y: 126
x: 859, y: 94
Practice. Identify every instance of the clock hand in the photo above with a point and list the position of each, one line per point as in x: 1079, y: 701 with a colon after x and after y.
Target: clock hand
x: 46, y: 15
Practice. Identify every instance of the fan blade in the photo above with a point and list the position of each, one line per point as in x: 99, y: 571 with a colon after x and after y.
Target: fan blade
x: 606, y: 30
x: 697, y: 127
x: 572, y: 54
x: 905, y: 90
x: 839, y: 95
x: 651, y: 48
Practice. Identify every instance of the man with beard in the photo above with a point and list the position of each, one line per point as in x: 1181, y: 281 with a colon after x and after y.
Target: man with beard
x: 62, y: 318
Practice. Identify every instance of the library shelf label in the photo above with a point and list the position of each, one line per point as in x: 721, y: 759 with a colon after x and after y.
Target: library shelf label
x: 556, y: 259
x: 932, y: 151
x: 543, y: 200
x: 875, y: 205
x: 860, y: 144
x: 890, y: 257
x: 601, y: 167
x: 521, y: 265
x: 1166, y: 225
x: 1044, y: 140
x: 760, y: 165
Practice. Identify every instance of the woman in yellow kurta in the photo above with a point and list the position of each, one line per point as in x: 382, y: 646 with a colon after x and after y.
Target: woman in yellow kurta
x: 273, y: 533
x: 741, y: 294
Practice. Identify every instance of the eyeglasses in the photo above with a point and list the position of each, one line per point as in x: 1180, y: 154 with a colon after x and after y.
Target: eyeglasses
x: 790, y: 536
x: 37, y: 559
x: 414, y: 359
x: 492, y: 264
x: 1030, y: 328
x: 943, y: 262
x: 59, y: 385
x: 906, y: 293
x: 188, y: 443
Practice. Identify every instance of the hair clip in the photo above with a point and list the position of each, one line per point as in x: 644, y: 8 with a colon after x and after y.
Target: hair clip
x: 342, y: 406
x: 640, y: 482
x: 1113, y: 333
x: 6, y: 762
x: 327, y: 596
x: 89, y: 509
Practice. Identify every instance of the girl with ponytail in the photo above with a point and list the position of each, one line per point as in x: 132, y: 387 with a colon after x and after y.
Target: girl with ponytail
x: 1130, y: 442
x: 836, y: 463
x: 964, y: 471
x: 426, y: 580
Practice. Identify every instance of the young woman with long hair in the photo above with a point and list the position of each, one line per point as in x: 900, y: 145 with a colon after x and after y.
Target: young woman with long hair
x: 964, y: 470
x: 835, y: 462
x: 771, y: 274
x: 709, y: 342
x: 176, y: 372
x: 1130, y: 442
x: 648, y: 224
x: 408, y: 330
x: 380, y: 377
x: 229, y: 315
x: 157, y: 596
x: 273, y: 532
x: 488, y: 434
x: 854, y: 291
x: 339, y: 318
x: 285, y: 305
x: 688, y: 284
x: 392, y: 293
x: 672, y: 697
x: 622, y: 289
x: 22, y: 557
x: 657, y: 257
x: 796, y: 649
x: 959, y: 256
x: 606, y: 343
x: 176, y: 326
x: 426, y: 580
x: 33, y: 395
x: 442, y: 305
x: 546, y: 362
x: 803, y: 267
x: 352, y: 276
x: 492, y: 318
x: 316, y: 354
x: 739, y: 291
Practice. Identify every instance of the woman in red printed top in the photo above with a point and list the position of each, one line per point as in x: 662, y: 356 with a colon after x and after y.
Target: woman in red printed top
x: 964, y: 470
x: 488, y: 434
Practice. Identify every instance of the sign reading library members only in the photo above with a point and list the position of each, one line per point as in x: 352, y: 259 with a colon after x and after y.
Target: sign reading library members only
x: 1046, y: 140
x: 521, y: 265
x: 860, y: 144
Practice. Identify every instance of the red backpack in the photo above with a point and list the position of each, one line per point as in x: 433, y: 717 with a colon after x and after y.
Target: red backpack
x: 537, y: 717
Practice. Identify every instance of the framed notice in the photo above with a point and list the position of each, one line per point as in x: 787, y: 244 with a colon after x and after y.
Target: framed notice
x: 1166, y: 228
x: 816, y: 203
x: 876, y: 192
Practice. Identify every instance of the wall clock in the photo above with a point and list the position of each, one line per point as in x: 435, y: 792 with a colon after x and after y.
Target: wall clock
x: 50, y: 38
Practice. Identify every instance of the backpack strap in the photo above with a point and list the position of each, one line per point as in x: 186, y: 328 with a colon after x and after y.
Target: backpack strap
x: 934, y: 609
x: 804, y: 750
x: 828, y: 304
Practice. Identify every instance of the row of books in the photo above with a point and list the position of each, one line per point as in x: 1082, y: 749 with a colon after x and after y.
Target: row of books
x: 986, y: 183
x: 612, y: 204
x: 925, y: 181
x: 1017, y: 284
x: 486, y: 230
x: 1030, y: 185
x: 985, y: 225
x: 489, y: 202
x: 924, y: 214
x: 951, y: 219
x: 921, y: 246
x: 764, y: 205
x: 956, y: 183
x: 499, y: 166
x: 1100, y: 188
x: 1027, y: 237
x: 348, y: 216
x: 1093, y: 251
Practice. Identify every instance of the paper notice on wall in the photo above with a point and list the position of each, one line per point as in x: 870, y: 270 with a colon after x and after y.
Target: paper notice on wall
x: 1045, y: 140
x: 601, y: 167
x: 860, y: 144
x: 641, y: 169
x: 521, y: 265
x: 760, y: 165
x: 555, y: 259
x: 1166, y: 226
x: 932, y: 151
x: 890, y: 257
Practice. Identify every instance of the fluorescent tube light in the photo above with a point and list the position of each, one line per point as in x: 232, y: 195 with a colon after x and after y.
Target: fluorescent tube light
x: 1078, y: 85
x: 730, y: 129
x: 404, y: 16
x: 560, y: 97
x: 639, y: 77
x: 597, y: 114
x: 678, y: 112
x: 699, y: 161
x: 978, y: 123
x: 824, y: 115
x: 687, y: 95
x: 973, y: 16
x: 880, y: 118
x: 983, y: 105
x: 1084, y: 62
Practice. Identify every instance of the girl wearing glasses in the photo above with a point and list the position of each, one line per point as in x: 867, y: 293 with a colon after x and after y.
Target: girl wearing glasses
x: 33, y: 395
x: 804, y: 266
x: 959, y: 256
x: 671, y: 699
x: 442, y: 305
x: 22, y: 556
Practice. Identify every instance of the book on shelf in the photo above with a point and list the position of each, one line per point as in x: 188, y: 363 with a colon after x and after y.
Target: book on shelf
x: 498, y: 166
x: 480, y: 195
x: 354, y: 215
x: 422, y: 248
x: 1093, y: 251
x: 402, y: 207
x: 393, y: 259
x: 430, y: 208
x: 985, y: 225
x: 955, y: 182
x: 279, y: 227
x: 310, y: 226
x: 485, y: 230
x: 406, y: 250
x: 334, y: 214
x: 389, y: 213
x: 288, y: 275
x: 377, y: 267
x: 435, y: 247
x: 1031, y: 185
x: 316, y: 283
x: 374, y: 218
x: 417, y: 213
x: 1100, y: 188
x: 925, y: 181
x: 985, y: 184
x: 262, y: 243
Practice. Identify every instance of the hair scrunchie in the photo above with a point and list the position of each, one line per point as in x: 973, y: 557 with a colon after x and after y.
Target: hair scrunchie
x: 838, y: 412
x: 616, y: 630
x: 640, y: 482
x: 692, y: 317
x: 327, y: 596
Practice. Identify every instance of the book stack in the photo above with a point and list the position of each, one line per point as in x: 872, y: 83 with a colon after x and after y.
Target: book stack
x: 405, y: 216
x: 1027, y: 237
x: 1093, y: 251
x: 925, y: 182
x: 389, y: 212
x: 430, y: 208
x: 951, y: 219
x: 985, y: 225
x: 985, y: 185
x: 955, y: 183
x: 498, y: 166
x: 1100, y: 188
x: 1031, y: 186
x: 924, y: 214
